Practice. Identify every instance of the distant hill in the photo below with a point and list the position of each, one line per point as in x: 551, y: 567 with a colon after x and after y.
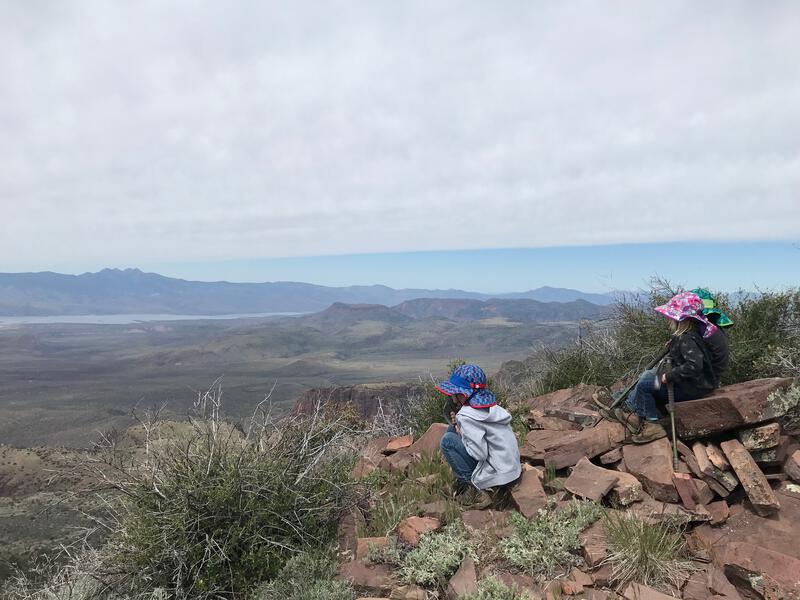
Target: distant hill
x: 131, y: 291
x: 521, y: 310
x: 340, y: 315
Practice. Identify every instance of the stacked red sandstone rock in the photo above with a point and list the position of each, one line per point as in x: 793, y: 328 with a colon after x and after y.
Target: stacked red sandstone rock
x: 736, y: 483
x: 735, y: 488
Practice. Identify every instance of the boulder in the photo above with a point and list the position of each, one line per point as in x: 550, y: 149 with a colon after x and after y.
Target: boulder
x: 538, y: 420
x: 753, y: 481
x: 428, y: 443
x: 729, y: 408
x: 410, y: 530
x: 437, y: 509
x: 760, y: 438
x: 580, y: 395
x: 627, y: 490
x: 398, y: 462
x: 585, y: 417
x: 652, y: 465
x: 346, y: 534
x: 397, y: 443
x: 529, y: 494
x: 464, y: 582
x: 589, y: 481
x: 719, y: 512
x: 761, y: 573
x: 560, y: 449
x: 370, y: 457
x: 611, y: 457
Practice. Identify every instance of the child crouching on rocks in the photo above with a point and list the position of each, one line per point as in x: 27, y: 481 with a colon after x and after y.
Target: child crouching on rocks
x: 687, y: 367
x: 479, y: 445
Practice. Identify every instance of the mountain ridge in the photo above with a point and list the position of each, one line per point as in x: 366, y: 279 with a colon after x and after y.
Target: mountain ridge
x: 132, y: 291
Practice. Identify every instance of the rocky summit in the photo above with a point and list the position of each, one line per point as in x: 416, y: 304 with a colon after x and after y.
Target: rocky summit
x: 732, y: 503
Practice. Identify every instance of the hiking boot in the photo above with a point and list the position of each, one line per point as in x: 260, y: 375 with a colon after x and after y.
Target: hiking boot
x: 650, y: 432
x: 474, y: 499
x: 630, y: 420
x: 603, y: 399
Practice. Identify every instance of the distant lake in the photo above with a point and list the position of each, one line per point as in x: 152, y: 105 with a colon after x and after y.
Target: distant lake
x: 130, y: 319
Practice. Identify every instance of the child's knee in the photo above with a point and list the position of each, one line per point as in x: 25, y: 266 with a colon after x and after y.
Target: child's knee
x: 449, y: 439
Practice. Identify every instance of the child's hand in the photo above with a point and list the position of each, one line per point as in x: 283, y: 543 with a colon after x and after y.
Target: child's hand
x: 664, y: 379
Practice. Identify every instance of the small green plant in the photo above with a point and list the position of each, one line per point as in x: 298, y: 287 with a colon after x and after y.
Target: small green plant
x: 494, y: 589
x: 652, y: 554
x: 547, y: 545
x: 437, y: 557
x: 308, y: 576
x: 400, y: 495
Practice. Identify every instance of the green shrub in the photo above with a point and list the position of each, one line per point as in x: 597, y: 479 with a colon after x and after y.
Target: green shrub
x: 202, y: 510
x: 493, y: 589
x: 437, y: 557
x: 650, y: 553
x: 764, y: 341
x: 547, y: 545
x: 308, y: 576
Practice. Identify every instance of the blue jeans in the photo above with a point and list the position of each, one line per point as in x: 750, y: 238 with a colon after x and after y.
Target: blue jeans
x: 645, y: 397
x: 456, y: 455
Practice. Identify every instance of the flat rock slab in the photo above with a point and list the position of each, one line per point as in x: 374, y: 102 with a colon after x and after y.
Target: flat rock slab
x: 753, y: 481
x: 410, y: 530
x: 652, y: 465
x: 729, y: 408
x: 375, y: 579
x: 585, y: 417
x: 580, y: 395
x: 758, y: 571
x: 637, y: 591
x: 396, y: 443
x: 778, y: 532
x: 529, y: 494
x: 538, y: 420
x: 561, y: 449
x: 594, y: 545
x: 611, y: 457
x: 717, y: 457
x: 760, y: 438
x: 589, y: 481
x: 428, y: 443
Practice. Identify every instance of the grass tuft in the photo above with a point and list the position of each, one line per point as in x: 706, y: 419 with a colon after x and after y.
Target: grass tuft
x: 649, y: 553
x: 494, y: 589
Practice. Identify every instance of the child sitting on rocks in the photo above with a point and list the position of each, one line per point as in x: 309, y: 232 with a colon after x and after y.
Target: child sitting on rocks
x: 687, y: 367
x: 480, y: 445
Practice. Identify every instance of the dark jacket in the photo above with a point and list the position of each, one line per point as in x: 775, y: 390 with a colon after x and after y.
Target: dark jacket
x: 691, y: 367
x: 717, y: 344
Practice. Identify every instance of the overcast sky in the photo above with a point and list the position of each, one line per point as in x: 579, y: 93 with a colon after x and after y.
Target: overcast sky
x: 166, y: 131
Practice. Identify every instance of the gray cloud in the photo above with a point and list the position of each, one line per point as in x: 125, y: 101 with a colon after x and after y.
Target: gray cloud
x: 190, y: 130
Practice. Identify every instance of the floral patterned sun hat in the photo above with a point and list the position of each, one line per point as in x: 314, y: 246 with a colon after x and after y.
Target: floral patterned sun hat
x: 687, y: 305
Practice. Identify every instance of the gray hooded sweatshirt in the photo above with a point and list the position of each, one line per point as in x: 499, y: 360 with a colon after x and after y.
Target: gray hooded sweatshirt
x: 489, y: 439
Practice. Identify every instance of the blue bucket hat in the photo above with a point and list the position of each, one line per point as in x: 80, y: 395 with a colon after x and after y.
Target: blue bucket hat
x: 469, y: 380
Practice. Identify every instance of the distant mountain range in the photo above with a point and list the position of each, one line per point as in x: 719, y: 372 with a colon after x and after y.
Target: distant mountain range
x: 131, y: 291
